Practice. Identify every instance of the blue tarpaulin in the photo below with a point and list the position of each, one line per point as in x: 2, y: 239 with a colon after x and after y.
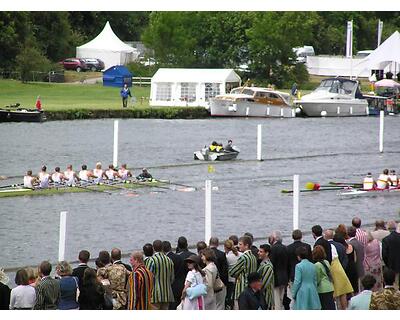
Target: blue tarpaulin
x: 117, y: 76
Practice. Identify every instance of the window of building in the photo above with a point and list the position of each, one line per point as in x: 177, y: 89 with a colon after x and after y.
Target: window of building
x: 212, y: 90
x: 188, y: 91
x: 163, y: 92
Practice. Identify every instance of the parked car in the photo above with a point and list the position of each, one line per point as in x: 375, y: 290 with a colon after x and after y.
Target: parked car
x: 303, y: 52
x: 93, y: 64
x: 74, y: 64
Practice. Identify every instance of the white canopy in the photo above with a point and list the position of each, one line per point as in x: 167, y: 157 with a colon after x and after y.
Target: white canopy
x: 109, y: 48
x: 386, y: 53
x: 195, y: 75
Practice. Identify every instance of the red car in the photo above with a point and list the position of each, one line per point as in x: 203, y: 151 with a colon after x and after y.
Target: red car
x: 74, y: 64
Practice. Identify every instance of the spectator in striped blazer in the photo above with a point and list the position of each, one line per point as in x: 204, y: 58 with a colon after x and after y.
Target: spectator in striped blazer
x: 140, y: 284
x: 361, y: 235
x: 48, y: 290
x: 246, y: 264
x: 162, y: 268
x: 266, y: 271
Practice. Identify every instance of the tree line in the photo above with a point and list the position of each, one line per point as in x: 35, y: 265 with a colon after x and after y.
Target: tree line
x: 262, y: 41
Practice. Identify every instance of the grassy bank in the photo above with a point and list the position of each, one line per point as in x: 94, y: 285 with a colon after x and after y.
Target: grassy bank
x: 67, y: 96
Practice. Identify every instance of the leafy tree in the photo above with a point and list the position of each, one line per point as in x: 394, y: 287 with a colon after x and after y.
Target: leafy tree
x: 14, y: 28
x: 272, y: 37
x: 31, y: 59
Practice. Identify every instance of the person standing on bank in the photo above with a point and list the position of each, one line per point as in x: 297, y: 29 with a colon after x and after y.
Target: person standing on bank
x: 125, y: 93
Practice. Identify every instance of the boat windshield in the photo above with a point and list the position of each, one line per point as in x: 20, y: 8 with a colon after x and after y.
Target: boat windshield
x: 243, y: 91
x: 337, y: 86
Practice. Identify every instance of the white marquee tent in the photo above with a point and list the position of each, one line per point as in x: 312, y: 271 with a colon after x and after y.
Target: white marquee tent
x: 190, y: 87
x: 383, y: 56
x: 109, y: 48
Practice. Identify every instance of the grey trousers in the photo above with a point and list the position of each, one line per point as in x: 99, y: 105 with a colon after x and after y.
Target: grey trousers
x: 220, y: 299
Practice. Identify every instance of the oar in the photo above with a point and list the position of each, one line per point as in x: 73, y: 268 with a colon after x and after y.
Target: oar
x: 308, y: 190
x: 92, y: 190
x: 355, y: 184
x: 178, y: 184
x: 12, y: 185
x: 143, y: 183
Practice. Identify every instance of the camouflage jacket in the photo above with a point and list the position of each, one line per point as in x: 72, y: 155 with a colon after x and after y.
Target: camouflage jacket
x: 387, y: 299
x: 117, y: 275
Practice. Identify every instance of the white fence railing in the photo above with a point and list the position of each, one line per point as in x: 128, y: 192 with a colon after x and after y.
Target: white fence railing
x: 141, y: 81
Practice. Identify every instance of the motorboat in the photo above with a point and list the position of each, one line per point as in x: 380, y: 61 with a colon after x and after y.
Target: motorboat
x: 335, y: 97
x: 252, y: 102
x: 15, y: 114
x: 206, y: 155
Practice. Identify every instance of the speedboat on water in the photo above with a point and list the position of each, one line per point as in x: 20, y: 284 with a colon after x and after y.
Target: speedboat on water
x: 252, y: 102
x: 206, y: 155
x: 335, y: 97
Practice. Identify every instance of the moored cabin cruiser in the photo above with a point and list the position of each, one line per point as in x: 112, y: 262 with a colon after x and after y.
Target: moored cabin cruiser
x: 335, y: 97
x: 252, y: 102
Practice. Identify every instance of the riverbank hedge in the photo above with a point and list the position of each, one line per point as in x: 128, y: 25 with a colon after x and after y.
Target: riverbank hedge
x: 145, y: 113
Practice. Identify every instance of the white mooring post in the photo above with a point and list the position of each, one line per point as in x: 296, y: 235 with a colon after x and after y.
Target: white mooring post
x: 207, y: 234
x: 296, y: 196
x: 115, y: 153
x: 63, y: 231
x: 259, y: 142
x: 381, y: 127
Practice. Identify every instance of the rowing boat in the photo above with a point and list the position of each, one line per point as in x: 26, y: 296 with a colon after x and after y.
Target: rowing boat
x: 21, y: 191
x: 369, y: 193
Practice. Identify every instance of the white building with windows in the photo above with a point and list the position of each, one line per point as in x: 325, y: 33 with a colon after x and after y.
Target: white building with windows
x: 190, y: 87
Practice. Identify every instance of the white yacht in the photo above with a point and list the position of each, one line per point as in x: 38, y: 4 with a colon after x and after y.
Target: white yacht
x: 252, y: 102
x: 335, y: 97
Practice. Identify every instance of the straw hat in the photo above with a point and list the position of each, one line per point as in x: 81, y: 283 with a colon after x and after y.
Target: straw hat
x: 4, y: 279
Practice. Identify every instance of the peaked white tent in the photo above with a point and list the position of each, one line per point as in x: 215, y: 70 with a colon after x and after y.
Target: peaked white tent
x: 190, y: 87
x: 387, y: 53
x: 109, y: 48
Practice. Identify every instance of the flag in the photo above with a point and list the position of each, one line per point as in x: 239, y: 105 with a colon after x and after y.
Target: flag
x: 380, y: 27
x: 349, y: 42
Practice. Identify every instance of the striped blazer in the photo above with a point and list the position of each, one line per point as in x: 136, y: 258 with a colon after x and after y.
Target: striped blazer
x: 47, y: 294
x: 162, y: 268
x: 246, y: 264
x: 140, y: 289
x: 266, y: 271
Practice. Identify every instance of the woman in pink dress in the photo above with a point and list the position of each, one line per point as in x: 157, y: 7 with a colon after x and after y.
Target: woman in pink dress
x: 373, y: 261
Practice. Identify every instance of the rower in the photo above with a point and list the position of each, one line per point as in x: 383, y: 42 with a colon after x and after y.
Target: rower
x: 393, y: 177
x: 85, y: 174
x: 369, y: 183
x: 111, y: 173
x: 144, y: 176
x: 44, y: 178
x: 383, y: 181
x: 70, y: 176
x: 29, y: 180
x: 124, y: 173
x: 98, y: 173
x: 57, y: 176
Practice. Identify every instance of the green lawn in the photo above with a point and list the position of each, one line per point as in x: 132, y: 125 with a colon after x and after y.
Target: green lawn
x: 62, y: 96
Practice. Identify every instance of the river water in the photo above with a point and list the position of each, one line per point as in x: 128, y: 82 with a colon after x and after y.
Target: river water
x: 248, y: 196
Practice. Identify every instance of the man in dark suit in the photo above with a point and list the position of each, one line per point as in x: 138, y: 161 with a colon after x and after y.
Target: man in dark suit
x: 320, y: 241
x: 183, y: 252
x: 279, y: 259
x: 5, y: 291
x: 222, y: 266
x: 179, y: 272
x: 83, y: 257
x: 391, y: 253
x: 116, y: 259
x: 292, y: 257
x: 48, y: 290
x: 359, y: 250
x: 340, y: 248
